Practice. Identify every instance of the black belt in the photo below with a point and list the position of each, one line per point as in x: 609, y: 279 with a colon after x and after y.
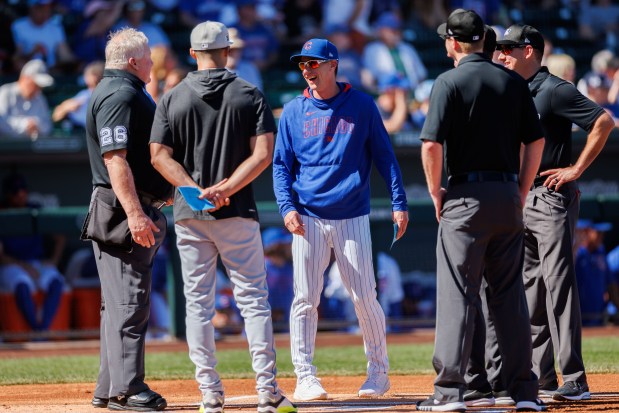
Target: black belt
x: 482, y: 176
x: 151, y: 200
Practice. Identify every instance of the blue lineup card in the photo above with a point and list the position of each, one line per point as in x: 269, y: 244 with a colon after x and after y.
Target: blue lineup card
x: 395, y: 233
x: 191, y: 194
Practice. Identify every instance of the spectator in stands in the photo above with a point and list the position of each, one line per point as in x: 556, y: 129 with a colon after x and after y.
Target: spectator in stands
x: 563, y: 66
x: 488, y: 10
x: 392, y: 103
x: 261, y: 45
x: 164, y: 61
x: 391, y: 56
x: 598, y: 22
x: 7, y: 43
x: 92, y: 34
x: 74, y: 109
x: 592, y: 274
x: 421, y: 103
x: 612, y: 259
x: 194, y: 12
x: 277, y: 244
x: 164, y: 6
x: 24, y: 112
x: 134, y: 17
x: 598, y: 86
x: 354, y: 14
x: 40, y: 36
x: 602, y: 63
x: 237, y: 63
x: 425, y: 14
x: 303, y: 20
x: 173, y: 78
x: 350, y: 67
x: 24, y: 266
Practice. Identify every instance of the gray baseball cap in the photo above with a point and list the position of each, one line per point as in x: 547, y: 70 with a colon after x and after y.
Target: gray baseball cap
x: 210, y: 35
x: 37, y: 71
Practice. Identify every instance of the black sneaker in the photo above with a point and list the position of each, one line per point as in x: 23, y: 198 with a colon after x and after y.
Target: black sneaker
x: 433, y: 405
x: 502, y: 398
x: 531, y: 406
x: 100, y: 402
x: 572, y: 391
x: 144, y: 401
x: 478, y: 398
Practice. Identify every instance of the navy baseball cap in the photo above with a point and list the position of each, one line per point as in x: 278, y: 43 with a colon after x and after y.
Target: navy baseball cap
x: 463, y: 25
x: 517, y: 35
x: 321, y: 49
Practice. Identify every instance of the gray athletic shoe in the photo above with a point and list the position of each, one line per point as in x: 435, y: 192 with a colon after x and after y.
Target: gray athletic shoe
x: 572, y: 391
x: 212, y: 402
x: 275, y: 403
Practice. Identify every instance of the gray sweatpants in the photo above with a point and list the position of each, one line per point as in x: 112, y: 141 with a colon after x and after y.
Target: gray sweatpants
x: 481, y: 234
x: 238, y: 242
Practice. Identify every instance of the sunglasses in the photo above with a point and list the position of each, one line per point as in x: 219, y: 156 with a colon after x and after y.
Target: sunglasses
x: 507, y: 49
x: 311, y: 64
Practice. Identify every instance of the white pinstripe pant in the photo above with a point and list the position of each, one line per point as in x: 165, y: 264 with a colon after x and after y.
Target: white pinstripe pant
x: 352, y: 245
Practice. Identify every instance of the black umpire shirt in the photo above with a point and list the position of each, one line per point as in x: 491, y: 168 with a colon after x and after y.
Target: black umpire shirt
x: 481, y: 112
x: 559, y: 105
x: 120, y: 115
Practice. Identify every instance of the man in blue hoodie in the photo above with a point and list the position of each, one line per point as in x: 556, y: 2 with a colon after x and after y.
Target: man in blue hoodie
x: 214, y: 131
x: 328, y: 138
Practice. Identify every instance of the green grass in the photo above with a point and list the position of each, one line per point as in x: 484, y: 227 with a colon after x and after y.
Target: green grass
x: 601, y: 356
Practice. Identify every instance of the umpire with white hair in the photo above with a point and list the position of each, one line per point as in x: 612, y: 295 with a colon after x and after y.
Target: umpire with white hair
x: 124, y: 219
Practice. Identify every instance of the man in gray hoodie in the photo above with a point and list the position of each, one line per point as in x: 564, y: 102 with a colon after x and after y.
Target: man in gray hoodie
x: 215, y: 132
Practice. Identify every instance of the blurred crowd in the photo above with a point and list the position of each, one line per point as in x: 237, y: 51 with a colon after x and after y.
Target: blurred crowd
x: 48, y: 41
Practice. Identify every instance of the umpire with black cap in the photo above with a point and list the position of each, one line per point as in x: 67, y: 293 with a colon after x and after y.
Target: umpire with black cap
x: 550, y: 215
x: 480, y: 213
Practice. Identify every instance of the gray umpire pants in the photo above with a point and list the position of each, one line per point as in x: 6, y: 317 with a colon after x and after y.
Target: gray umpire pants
x: 484, y: 369
x: 552, y: 296
x: 237, y: 241
x: 550, y: 283
x: 125, y: 308
x: 481, y: 235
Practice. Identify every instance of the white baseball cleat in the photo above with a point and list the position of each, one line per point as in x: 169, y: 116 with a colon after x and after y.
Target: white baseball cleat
x: 375, y: 385
x: 309, y: 388
x: 212, y: 402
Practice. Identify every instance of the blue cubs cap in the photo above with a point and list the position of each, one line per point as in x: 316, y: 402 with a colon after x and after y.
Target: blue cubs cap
x: 387, y: 20
x: 321, y: 49
x: 392, y: 81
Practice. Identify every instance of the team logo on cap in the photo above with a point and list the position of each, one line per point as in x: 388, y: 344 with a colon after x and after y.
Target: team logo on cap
x: 508, y: 31
x: 307, y: 45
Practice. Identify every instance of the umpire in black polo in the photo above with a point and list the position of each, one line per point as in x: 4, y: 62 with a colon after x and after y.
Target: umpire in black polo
x: 551, y: 213
x: 480, y: 114
x: 124, y: 220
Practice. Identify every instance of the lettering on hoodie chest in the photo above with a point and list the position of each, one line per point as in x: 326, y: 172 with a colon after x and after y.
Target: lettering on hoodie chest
x: 327, y: 127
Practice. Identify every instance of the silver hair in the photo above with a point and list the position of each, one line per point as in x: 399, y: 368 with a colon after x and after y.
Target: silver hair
x: 122, y: 45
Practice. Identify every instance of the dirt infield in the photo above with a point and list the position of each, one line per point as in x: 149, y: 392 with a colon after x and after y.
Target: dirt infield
x: 183, y: 395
